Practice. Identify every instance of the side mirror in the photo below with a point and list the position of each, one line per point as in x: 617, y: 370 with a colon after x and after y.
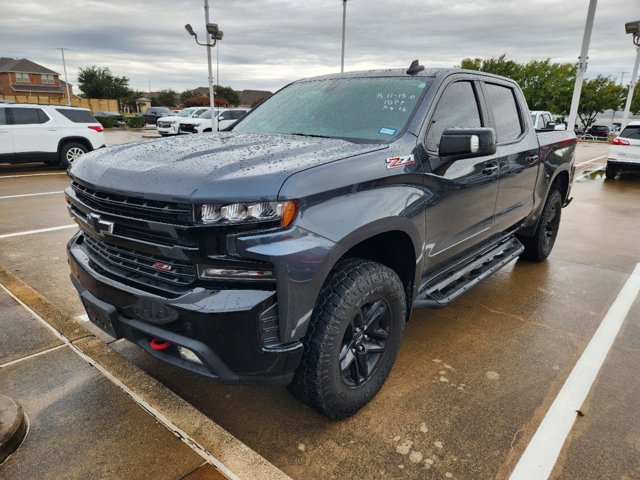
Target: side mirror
x: 550, y: 125
x: 467, y: 142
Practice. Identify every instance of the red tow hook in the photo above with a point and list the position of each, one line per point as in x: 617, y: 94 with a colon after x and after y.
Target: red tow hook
x: 159, y: 344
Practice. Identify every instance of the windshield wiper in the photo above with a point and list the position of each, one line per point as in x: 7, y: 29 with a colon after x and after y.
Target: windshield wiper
x: 309, y: 135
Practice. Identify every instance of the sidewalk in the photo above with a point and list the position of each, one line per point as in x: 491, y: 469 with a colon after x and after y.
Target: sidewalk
x: 80, y: 424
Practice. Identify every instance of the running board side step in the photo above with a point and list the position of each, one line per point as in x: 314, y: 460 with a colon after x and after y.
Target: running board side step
x: 442, y: 289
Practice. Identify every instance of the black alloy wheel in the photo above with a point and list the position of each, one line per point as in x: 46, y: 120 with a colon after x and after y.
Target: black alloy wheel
x: 364, y: 342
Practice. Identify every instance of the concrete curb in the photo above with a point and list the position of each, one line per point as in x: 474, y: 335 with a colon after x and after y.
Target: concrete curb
x: 233, y: 458
x: 13, y: 427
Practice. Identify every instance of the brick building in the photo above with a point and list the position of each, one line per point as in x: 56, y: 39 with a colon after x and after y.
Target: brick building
x: 24, y: 77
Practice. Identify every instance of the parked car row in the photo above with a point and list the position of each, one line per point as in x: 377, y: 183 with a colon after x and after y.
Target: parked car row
x: 198, y: 120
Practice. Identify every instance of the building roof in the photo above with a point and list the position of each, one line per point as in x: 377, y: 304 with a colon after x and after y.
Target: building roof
x: 22, y: 65
x: 22, y: 87
x: 249, y: 97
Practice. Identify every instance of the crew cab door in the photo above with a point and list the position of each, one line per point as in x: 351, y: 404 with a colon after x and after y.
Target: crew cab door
x: 516, y: 151
x: 465, y: 189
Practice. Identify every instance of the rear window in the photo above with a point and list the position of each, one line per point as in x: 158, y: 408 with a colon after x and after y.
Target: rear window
x: 77, y: 116
x: 505, y: 112
x: 631, y: 131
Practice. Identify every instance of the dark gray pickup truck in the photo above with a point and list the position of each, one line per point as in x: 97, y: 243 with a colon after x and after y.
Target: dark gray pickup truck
x: 293, y: 248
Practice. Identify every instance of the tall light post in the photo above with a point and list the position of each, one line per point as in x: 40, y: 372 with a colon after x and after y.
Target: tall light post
x: 344, y: 26
x: 634, y: 29
x: 66, y: 82
x: 216, y: 34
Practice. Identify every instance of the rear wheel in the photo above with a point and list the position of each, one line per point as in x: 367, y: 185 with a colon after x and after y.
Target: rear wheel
x: 610, y: 172
x: 70, y: 152
x: 538, y: 246
x: 353, y: 338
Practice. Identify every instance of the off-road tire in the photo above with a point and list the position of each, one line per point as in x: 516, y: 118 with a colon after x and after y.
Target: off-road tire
x: 67, y: 153
x: 538, y: 246
x: 610, y: 172
x: 353, y: 290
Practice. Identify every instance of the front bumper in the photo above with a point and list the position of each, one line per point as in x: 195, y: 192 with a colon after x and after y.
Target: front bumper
x: 229, y: 331
x: 625, y: 165
x: 168, y: 130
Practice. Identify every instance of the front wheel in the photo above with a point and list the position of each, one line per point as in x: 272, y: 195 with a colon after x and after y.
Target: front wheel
x: 538, y: 246
x: 70, y: 152
x: 353, y: 338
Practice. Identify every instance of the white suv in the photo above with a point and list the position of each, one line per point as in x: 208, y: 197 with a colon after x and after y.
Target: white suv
x: 53, y: 134
x: 624, y: 151
x: 202, y: 124
x: 169, y: 125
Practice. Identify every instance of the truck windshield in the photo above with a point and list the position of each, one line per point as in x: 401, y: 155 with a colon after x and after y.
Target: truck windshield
x: 358, y: 109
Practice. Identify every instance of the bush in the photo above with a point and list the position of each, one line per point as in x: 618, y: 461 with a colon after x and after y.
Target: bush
x: 107, y: 122
x: 135, y: 122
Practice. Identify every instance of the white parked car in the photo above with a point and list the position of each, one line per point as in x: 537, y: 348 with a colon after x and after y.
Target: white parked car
x: 52, y: 134
x: 202, y: 124
x: 624, y: 151
x: 544, y: 121
x: 169, y: 125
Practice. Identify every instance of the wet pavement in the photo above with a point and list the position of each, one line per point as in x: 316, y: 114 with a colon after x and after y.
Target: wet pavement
x: 471, y: 383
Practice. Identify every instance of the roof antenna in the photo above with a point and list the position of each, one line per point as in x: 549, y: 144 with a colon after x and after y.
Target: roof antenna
x: 415, y: 67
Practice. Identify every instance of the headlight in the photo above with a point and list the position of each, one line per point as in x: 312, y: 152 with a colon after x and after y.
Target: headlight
x: 248, y: 212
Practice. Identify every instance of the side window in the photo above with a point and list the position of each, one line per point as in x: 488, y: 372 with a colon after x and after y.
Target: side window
x: 26, y: 116
x: 457, y: 107
x: 540, y: 122
x: 3, y: 117
x: 502, y: 102
x: 547, y: 119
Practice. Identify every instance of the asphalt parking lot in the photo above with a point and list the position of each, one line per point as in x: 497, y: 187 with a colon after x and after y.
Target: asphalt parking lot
x: 472, y: 382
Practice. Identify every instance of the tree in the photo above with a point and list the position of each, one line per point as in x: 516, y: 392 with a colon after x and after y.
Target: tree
x: 635, y: 101
x: 166, y: 97
x: 546, y: 85
x: 184, y: 96
x: 130, y: 100
x: 599, y: 94
x: 227, y: 93
x: 99, y: 82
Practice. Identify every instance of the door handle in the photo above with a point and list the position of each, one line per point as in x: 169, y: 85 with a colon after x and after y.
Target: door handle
x: 52, y: 129
x: 531, y: 159
x: 490, y: 169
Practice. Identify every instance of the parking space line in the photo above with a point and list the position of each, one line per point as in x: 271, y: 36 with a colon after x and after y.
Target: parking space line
x: 33, y: 355
x: 591, y: 160
x: 541, y: 454
x: 42, y: 230
x: 6, y: 197
x: 32, y: 175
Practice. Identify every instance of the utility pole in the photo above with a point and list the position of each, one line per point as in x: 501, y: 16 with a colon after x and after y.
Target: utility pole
x: 212, y: 97
x: 66, y: 82
x: 344, y: 25
x: 582, y: 64
x: 632, y: 86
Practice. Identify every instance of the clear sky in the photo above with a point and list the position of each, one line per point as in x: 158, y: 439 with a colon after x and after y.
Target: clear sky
x: 268, y: 43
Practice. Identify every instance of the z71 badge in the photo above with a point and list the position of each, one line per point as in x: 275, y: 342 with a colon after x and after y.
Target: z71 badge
x: 396, y: 162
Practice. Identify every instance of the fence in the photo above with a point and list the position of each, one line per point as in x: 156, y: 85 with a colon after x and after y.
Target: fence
x: 94, y: 104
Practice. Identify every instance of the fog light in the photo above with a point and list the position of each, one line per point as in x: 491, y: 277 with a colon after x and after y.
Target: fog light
x: 213, y: 273
x: 189, y: 355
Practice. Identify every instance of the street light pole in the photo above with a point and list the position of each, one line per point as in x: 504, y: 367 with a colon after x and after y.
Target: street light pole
x: 344, y: 26
x: 632, y: 86
x: 582, y: 64
x: 66, y: 82
x: 212, y: 97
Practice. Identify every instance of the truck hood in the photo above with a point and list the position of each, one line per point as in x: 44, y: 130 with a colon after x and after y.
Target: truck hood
x: 226, y: 166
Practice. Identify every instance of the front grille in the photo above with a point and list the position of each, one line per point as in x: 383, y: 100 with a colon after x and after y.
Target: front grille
x: 132, y: 207
x: 187, y: 127
x: 164, y: 124
x: 114, y: 259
